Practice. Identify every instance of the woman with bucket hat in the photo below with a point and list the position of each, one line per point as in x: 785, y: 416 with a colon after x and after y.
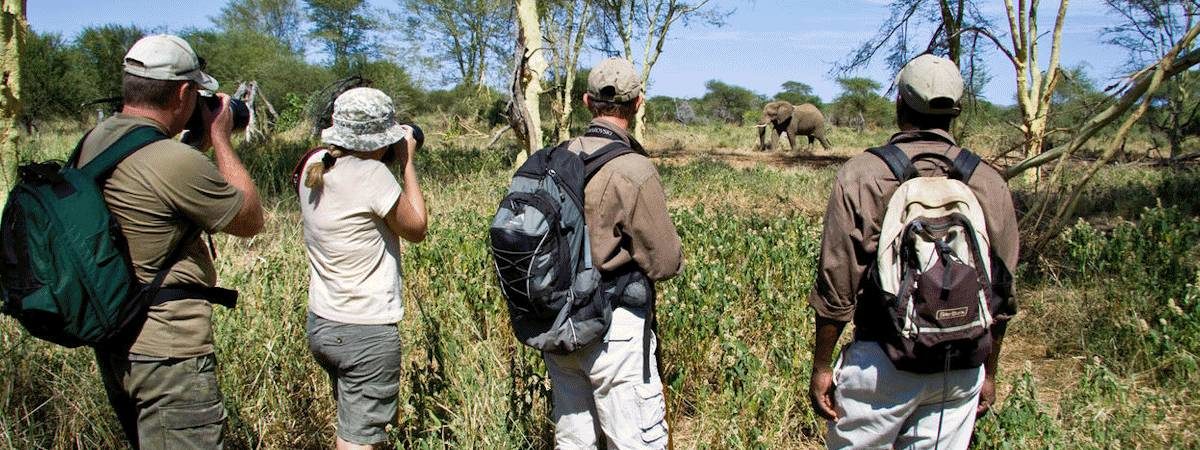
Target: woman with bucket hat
x: 354, y: 212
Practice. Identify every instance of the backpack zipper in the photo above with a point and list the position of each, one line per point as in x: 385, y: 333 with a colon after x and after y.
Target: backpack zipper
x: 562, y: 186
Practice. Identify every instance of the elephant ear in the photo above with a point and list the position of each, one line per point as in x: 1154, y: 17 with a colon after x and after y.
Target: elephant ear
x: 785, y: 111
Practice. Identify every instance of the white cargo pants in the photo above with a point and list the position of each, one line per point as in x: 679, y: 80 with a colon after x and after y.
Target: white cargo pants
x: 881, y: 407
x: 599, y: 389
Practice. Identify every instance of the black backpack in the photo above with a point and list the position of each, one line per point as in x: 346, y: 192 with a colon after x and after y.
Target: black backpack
x: 542, y: 255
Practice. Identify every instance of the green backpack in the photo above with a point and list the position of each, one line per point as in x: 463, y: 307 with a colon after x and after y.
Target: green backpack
x: 65, y: 271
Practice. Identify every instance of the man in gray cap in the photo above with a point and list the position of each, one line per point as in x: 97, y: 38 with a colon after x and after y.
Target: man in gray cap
x: 160, y: 377
x: 611, y: 390
x: 868, y: 401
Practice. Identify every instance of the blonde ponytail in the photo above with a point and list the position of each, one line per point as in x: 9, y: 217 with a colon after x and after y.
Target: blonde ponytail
x: 315, y: 173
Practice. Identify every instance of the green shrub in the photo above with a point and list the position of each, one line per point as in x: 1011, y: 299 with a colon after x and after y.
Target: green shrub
x: 1021, y: 422
x: 1144, y: 313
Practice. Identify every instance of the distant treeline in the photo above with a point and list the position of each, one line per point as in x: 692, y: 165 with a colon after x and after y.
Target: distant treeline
x: 63, y: 75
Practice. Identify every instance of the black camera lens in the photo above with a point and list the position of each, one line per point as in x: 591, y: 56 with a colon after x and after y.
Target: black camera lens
x: 194, y: 130
x: 417, y: 135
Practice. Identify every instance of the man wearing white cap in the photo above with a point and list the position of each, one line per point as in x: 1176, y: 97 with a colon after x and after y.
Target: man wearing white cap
x: 869, y: 402
x: 160, y: 377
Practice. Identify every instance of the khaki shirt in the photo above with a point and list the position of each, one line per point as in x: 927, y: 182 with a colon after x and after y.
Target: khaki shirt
x: 863, y: 186
x: 626, y: 212
x: 157, y: 195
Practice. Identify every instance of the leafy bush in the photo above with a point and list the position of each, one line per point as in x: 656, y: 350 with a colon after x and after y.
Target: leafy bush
x: 1143, y: 312
x: 1022, y: 422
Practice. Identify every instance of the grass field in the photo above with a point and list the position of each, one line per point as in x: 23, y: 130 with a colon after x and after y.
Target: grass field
x: 1103, y: 354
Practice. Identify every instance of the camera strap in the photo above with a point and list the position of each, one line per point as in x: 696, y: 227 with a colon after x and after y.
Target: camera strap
x: 298, y: 171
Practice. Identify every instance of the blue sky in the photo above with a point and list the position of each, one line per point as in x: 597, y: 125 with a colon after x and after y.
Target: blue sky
x: 763, y: 44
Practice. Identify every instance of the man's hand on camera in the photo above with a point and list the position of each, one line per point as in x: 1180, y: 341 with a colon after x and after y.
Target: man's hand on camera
x: 218, y: 123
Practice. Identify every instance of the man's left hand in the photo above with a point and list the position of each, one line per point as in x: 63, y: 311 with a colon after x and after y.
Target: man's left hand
x: 987, y: 396
x: 219, y: 123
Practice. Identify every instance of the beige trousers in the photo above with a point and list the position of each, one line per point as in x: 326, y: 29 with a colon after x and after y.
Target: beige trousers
x: 599, y: 391
x: 881, y: 407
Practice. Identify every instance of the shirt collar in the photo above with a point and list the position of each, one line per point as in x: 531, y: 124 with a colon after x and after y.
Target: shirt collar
x: 923, y: 135
x: 617, y: 132
x: 148, y: 121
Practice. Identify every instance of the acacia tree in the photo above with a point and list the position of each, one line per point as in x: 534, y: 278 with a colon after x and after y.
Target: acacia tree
x: 1148, y: 31
x: 567, y: 25
x: 797, y: 93
x: 1137, y: 95
x: 280, y: 19
x: 525, y: 111
x: 343, y: 27
x: 470, y: 34
x: 1035, y: 86
x: 649, y: 22
x: 13, y: 30
x: 899, y: 35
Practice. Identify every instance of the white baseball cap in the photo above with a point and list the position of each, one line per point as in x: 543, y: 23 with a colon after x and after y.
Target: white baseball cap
x: 931, y: 85
x: 167, y: 57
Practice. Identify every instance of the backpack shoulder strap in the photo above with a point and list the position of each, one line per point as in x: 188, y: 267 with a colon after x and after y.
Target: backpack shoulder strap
x: 100, y: 167
x: 965, y: 163
x: 896, y: 161
x: 73, y: 160
x: 597, y: 159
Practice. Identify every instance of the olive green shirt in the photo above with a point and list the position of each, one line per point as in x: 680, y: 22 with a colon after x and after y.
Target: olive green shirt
x: 157, y: 195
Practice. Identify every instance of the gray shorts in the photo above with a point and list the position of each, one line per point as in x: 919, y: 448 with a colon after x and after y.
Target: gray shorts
x: 363, y: 363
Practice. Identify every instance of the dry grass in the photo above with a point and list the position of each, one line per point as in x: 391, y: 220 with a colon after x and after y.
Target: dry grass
x: 736, y: 329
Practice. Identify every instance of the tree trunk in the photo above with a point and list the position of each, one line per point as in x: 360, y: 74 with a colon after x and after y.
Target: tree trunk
x: 952, y: 25
x: 527, y: 85
x: 564, y: 119
x: 13, y: 28
x: 568, y: 33
x: 1035, y: 87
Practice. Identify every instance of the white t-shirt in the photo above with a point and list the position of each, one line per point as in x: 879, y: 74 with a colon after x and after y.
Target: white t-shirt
x: 353, y: 257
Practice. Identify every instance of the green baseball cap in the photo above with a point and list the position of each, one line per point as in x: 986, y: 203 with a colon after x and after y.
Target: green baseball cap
x: 614, y: 80
x: 931, y: 85
x: 167, y: 57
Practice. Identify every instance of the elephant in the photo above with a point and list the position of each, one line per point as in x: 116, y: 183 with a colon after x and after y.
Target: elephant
x: 802, y: 120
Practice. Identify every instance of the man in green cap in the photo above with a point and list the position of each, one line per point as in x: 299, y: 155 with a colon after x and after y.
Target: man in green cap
x: 869, y: 402
x: 160, y: 377
x: 611, y: 389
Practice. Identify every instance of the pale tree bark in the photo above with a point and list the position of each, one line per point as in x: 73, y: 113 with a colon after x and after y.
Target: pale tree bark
x: 650, y: 21
x: 952, y: 21
x: 1139, y: 92
x: 1035, y: 86
x: 566, y: 31
x: 13, y: 29
x: 527, y: 82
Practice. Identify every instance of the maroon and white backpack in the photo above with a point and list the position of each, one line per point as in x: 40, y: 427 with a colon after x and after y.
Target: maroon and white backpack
x: 933, y: 267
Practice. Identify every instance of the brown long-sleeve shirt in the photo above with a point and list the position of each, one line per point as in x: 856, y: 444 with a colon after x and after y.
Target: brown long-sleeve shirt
x: 855, y: 212
x: 626, y: 211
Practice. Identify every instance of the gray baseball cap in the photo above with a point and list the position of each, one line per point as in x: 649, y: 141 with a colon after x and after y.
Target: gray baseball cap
x: 931, y: 85
x: 614, y: 80
x: 364, y: 120
x: 167, y: 57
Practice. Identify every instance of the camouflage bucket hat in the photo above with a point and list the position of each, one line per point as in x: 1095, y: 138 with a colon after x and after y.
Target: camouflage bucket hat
x: 363, y: 120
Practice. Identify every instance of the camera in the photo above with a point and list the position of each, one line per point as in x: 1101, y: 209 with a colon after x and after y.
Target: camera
x: 194, y: 131
x: 417, y: 135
